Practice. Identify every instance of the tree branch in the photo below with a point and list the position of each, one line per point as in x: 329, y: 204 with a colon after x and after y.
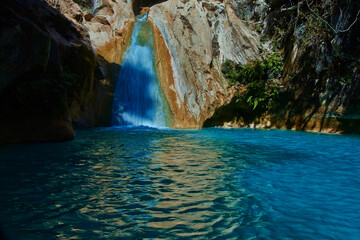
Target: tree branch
x: 328, y: 24
x: 288, y: 9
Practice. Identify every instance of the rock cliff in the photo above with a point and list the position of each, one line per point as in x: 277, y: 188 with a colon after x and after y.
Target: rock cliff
x: 321, y: 67
x: 320, y: 82
x: 49, y: 79
x: 60, y: 62
x: 193, y: 38
x: 110, y: 29
x: 109, y: 25
x: 54, y: 56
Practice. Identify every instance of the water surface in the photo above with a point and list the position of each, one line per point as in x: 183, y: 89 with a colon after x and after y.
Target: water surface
x: 134, y: 183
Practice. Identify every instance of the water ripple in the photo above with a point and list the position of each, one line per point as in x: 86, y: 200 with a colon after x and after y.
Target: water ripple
x: 210, y: 184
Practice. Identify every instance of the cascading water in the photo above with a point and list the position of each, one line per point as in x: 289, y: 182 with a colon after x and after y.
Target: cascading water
x: 96, y: 4
x: 138, y: 98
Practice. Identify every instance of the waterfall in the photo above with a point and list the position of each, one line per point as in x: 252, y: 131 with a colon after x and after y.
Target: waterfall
x: 138, y: 99
x: 96, y: 4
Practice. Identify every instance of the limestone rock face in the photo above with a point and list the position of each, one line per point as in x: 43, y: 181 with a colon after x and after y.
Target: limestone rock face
x: 110, y: 29
x: 109, y: 25
x: 321, y: 79
x: 59, y: 63
x: 192, y: 39
x: 69, y: 9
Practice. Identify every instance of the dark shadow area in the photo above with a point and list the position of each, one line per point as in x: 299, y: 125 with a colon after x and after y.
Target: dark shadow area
x: 88, y: 4
x: 289, y: 114
x: 50, y: 79
x: 229, y: 112
x: 8, y: 235
x: 110, y: 73
x: 138, y: 4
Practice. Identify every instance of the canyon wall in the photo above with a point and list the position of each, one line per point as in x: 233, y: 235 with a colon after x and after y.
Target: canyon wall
x: 47, y: 67
x: 192, y: 40
x: 109, y: 27
x: 321, y: 67
x: 60, y: 62
x: 320, y: 84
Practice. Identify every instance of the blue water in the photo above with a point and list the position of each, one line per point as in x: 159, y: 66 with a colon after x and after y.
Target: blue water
x: 134, y: 183
x: 96, y: 4
x: 138, y: 96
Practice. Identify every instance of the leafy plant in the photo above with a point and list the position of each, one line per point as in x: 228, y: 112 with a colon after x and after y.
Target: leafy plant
x: 345, y: 80
x: 260, y: 95
x: 256, y: 75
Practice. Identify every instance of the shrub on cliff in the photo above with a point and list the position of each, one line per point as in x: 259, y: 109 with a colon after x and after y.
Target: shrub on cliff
x: 259, y: 76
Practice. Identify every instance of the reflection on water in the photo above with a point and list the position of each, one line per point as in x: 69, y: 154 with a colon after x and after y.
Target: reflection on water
x: 216, y: 183
x: 190, y: 198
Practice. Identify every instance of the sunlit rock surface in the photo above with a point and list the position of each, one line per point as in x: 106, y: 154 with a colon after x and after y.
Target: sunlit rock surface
x: 193, y: 38
x: 110, y: 29
x: 109, y: 25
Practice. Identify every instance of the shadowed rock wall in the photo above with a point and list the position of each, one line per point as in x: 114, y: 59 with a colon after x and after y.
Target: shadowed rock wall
x: 48, y: 74
x: 320, y: 85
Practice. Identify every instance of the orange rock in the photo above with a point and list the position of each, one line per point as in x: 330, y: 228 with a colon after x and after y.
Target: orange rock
x: 189, y: 53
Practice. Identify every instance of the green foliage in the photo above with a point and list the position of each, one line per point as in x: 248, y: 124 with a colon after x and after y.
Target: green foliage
x: 256, y: 75
x: 316, y: 29
x: 270, y: 67
x: 261, y: 95
x: 345, y: 80
x: 258, y: 27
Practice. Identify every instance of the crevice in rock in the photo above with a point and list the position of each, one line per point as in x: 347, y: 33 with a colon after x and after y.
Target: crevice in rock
x: 139, y: 4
